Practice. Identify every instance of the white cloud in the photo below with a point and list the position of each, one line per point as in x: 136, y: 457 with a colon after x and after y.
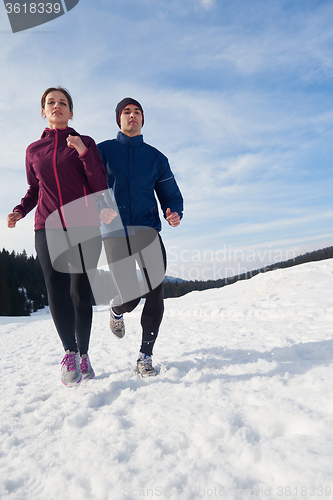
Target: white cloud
x: 208, y: 4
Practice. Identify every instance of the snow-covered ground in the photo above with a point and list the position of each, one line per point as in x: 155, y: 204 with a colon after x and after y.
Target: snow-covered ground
x: 242, y: 408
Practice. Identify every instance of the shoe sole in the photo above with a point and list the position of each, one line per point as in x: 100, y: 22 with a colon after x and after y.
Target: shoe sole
x: 88, y: 376
x: 121, y: 336
x: 146, y: 375
x: 73, y: 383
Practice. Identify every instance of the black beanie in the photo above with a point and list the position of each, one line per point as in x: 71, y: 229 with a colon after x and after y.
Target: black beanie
x: 122, y: 104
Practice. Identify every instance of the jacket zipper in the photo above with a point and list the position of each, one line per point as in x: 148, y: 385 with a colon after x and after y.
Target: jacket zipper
x: 85, y: 195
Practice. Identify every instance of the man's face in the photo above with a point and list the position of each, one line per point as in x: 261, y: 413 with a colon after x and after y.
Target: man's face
x: 131, y: 120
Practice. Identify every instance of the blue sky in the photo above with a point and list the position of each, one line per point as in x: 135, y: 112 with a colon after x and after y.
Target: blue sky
x: 237, y: 94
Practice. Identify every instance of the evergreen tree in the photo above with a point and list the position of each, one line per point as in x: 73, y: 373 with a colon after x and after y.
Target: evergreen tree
x: 22, y: 287
x: 5, y: 300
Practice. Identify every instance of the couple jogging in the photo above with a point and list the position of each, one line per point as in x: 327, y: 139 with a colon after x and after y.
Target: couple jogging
x: 113, y: 187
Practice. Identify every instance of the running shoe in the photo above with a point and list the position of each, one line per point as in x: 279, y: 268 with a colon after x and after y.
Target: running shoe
x: 117, y: 324
x: 144, y: 367
x: 70, y: 373
x: 86, y: 368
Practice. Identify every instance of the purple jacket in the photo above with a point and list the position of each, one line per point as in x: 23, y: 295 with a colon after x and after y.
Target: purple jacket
x: 58, y: 175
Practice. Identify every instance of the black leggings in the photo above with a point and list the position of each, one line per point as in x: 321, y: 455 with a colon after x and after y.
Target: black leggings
x: 69, y: 294
x: 118, y: 251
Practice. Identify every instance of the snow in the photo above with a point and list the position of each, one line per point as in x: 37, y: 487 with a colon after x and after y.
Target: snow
x: 242, y: 407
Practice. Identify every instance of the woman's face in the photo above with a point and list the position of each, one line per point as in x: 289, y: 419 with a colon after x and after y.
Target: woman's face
x: 56, y: 110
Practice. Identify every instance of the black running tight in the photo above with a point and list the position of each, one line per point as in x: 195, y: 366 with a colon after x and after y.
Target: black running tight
x: 118, y: 251
x: 69, y: 295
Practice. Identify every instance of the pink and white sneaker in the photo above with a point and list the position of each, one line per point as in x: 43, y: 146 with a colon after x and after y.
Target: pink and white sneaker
x: 70, y: 373
x: 86, y: 368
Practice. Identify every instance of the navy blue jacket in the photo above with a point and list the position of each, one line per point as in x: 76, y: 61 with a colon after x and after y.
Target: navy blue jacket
x: 136, y: 171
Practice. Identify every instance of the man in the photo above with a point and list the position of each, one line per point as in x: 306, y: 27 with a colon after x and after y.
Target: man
x: 136, y: 172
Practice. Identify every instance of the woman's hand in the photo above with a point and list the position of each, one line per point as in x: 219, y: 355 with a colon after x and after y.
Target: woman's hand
x: 13, y: 218
x: 75, y: 142
x: 107, y: 215
x: 172, y: 218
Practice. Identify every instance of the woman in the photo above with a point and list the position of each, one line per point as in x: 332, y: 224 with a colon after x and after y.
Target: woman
x: 62, y: 167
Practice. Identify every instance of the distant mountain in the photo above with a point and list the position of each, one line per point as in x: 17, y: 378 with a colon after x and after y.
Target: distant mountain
x: 171, y: 279
x: 167, y: 279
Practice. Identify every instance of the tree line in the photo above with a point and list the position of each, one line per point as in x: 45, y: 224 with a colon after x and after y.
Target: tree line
x: 178, y: 289
x: 23, y: 291
x: 22, y: 288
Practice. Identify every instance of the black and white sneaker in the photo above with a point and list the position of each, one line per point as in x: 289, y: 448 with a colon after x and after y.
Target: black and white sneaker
x: 117, y: 324
x: 144, y: 367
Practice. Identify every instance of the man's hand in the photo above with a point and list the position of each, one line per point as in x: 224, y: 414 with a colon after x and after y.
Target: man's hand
x: 172, y: 218
x: 107, y: 215
x: 13, y: 218
x: 75, y: 142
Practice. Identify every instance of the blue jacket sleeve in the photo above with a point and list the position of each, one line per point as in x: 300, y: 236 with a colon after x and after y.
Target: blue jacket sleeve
x: 167, y: 190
